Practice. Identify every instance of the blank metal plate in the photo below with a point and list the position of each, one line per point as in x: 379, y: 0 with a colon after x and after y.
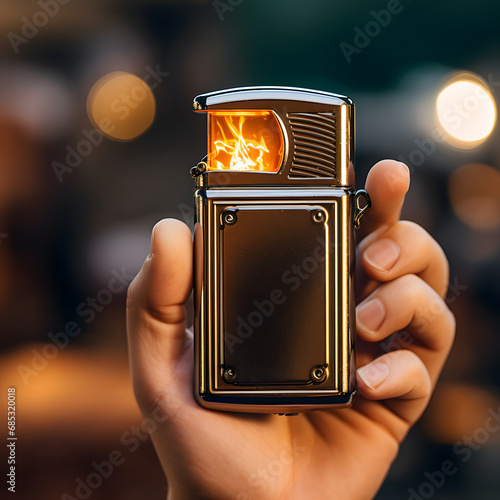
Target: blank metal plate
x: 271, y: 252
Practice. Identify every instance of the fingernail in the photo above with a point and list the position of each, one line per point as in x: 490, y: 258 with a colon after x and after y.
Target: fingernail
x: 403, y: 168
x: 374, y: 374
x: 152, y: 245
x: 371, y: 315
x: 382, y: 254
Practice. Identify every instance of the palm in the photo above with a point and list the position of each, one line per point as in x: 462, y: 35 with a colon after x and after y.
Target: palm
x: 240, y: 456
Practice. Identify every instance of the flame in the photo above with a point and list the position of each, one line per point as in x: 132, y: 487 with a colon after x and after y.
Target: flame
x: 248, y: 140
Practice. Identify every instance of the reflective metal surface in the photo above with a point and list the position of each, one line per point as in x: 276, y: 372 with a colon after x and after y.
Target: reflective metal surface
x: 204, y: 101
x: 274, y: 267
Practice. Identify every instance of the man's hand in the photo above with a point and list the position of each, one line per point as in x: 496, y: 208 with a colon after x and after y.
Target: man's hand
x: 403, y: 277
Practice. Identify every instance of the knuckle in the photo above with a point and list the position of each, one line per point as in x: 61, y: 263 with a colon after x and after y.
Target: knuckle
x: 411, y: 360
x: 424, y: 242
x: 412, y: 286
x: 426, y: 303
x: 417, y: 371
x: 411, y: 231
x: 417, y: 233
x: 411, y: 226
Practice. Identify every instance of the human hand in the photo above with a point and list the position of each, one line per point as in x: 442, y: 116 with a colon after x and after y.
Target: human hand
x: 345, y: 454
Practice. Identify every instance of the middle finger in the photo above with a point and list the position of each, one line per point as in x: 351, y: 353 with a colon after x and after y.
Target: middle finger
x: 404, y: 248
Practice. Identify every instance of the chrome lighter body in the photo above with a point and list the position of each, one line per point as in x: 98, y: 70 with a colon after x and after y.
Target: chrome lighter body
x: 274, y: 251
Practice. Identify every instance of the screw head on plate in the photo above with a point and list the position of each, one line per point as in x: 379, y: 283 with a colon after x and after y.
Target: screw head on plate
x: 229, y: 374
x: 318, y: 374
x: 318, y: 216
x: 229, y: 218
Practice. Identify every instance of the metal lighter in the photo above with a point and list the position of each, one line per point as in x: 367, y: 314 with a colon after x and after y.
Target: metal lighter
x: 274, y: 251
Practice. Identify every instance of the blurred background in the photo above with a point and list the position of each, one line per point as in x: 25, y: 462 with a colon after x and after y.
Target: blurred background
x: 77, y: 208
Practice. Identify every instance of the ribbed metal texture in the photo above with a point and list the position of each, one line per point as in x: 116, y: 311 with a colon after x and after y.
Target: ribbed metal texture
x: 314, y: 145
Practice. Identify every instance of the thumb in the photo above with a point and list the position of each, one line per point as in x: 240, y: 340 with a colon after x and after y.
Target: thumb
x: 156, y: 316
x: 387, y: 183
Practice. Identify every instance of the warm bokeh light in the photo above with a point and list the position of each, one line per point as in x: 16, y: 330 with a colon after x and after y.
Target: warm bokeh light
x: 466, y: 110
x: 249, y: 140
x: 459, y: 410
x: 121, y: 106
x: 474, y: 191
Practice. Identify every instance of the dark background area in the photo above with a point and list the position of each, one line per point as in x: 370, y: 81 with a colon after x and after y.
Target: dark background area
x: 62, y: 240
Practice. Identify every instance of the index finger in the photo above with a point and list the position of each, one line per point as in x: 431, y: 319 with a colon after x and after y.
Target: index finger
x: 387, y: 184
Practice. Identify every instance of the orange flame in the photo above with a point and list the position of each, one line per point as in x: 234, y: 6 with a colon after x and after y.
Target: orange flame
x: 244, y: 140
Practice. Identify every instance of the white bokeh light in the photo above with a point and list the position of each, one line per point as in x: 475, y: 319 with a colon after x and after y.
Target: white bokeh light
x: 467, y: 112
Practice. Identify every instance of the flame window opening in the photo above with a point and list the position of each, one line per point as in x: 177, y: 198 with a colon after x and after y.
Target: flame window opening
x: 244, y: 141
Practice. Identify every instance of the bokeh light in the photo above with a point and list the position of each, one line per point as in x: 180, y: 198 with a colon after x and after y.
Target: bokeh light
x: 474, y: 194
x: 121, y: 106
x: 459, y: 410
x: 466, y: 111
